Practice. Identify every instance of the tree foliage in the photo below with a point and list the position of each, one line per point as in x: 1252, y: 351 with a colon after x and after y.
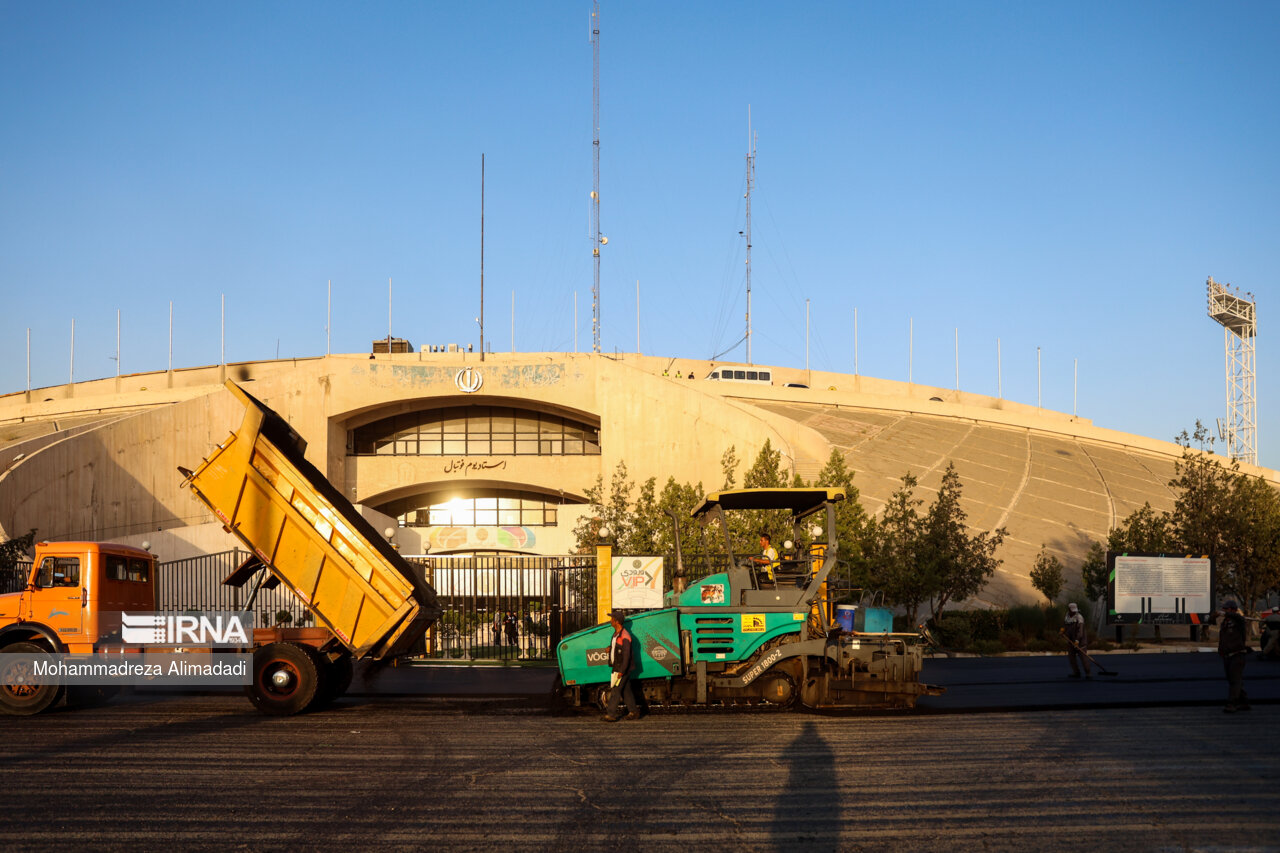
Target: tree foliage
x: 957, y: 564
x: 11, y: 552
x: 1093, y: 572
x: 1047, y: 575
x: 1218, y: 511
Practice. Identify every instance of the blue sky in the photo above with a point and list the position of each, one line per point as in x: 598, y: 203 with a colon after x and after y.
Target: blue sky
x: 1053, y: 175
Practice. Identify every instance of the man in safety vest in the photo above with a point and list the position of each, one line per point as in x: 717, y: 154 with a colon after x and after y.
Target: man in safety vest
x: 621, y: 662
x: 768, y: 559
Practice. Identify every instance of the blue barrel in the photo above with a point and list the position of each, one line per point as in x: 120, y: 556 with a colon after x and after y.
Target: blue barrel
x: 844, y: 616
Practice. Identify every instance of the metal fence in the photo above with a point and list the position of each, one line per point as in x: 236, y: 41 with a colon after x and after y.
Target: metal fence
x: 196, y: 584
x: 15, y: 579
x: 507, y: 607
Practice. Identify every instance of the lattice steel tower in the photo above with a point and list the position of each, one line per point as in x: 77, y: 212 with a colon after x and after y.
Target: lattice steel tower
x: 1239, y: 319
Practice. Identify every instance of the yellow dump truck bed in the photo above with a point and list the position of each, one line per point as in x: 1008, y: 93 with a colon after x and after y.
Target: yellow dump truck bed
x: 260, y: 485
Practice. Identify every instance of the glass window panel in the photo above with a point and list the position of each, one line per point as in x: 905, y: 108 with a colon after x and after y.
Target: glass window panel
x: 486, y: 503
x: 574, y: 431
x: 500, y: 447
x: 454, y: 425
x: 486, y: 517
x: 573, y: 448
x: 508, y: 503
x: 503, y: 421
x: 430, y: 446
x: 464, y: 515
x: 407, y: 447
x: 478, y: 446
x: 765, y: 375
x: 549, y: 517
x: 384, y: 446
x: 751, y: 374
x: 550, y: 426
x: 455, y: 446
x: 509, y: 517
x: 551, y: 447
x: 439, y: 516
x: 526, y: 424
x: 527, y: 446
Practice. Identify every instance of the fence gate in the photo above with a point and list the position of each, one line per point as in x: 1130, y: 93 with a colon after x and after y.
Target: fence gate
x: 495, y: 607
x: 196, y: 584
x: 507, y: 607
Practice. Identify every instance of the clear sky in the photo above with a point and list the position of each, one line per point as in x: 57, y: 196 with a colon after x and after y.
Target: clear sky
x: 1058, y: 175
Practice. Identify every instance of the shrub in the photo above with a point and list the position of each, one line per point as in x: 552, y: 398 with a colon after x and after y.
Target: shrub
x: 1039, y: 644
x: 952, y: 630
x: 1013, y: 641
x: 986, y: 624
x: 988, y: 647
x: 1027, y: 620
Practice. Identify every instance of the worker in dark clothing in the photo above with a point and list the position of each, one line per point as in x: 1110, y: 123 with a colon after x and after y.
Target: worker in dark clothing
x: 621, y: 661
x: 1232, y: 647
x: 1075, y: 632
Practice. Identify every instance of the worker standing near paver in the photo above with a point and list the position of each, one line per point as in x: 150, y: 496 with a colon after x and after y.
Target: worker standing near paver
x: 621, y: 662
x: 1233, y: 646
x: 1077, y: 641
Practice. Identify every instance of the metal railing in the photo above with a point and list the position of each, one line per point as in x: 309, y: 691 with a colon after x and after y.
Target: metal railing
x: 507, y: 607
x: 196, y: 584
x: 15, y: 579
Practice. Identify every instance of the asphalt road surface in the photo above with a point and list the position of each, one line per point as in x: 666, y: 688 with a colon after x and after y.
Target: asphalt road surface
x: 469, y: 773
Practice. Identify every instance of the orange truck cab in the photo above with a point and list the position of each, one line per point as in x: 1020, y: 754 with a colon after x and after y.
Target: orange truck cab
x: 71, y: 604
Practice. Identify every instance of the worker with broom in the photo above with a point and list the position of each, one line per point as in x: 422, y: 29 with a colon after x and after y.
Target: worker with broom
x: 1077, y: 641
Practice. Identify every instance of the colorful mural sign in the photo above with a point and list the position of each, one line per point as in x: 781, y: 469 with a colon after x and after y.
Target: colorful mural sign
x: 445, y: 539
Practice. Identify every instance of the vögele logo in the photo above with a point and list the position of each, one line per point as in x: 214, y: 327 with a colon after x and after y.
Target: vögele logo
x: 212, y: 628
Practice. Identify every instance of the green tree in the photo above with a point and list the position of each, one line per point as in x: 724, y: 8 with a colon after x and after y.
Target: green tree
x: 852, y: 524
x: 1046, y: 574
x: 893, y: 558
x: 729, y: 466
x: 766, y: 471
x: 1093, y: 572
x: 1143, y: 530
x: 955, y: 563
x: 1228, y: 515
x: 610, y: 509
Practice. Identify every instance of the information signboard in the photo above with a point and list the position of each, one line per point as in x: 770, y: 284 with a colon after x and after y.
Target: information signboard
x: 1159, y: 589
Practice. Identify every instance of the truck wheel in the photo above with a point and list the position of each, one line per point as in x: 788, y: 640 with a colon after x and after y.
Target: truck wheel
x: 285, y: 679
x: 20, y: 693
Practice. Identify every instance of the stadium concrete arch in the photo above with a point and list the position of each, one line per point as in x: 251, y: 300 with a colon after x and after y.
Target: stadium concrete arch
x: 453, y: 453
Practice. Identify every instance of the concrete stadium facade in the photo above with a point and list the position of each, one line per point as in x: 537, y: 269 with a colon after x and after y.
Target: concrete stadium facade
x: 453, y: 453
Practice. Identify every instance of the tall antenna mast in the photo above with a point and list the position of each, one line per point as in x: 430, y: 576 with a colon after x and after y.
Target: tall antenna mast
x: 1238, y: 315
x: 751, y: 177
x: 595, y: 175
x: 480, y: 319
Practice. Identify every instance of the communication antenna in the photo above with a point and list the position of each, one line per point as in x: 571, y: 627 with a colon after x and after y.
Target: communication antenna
x: 1237, y: 314
x: 751, y: 177
x: 595, y: 235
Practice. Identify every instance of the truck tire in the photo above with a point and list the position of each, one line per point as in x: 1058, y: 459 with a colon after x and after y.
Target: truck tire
x: 285, y: 679
x: 19, y: 694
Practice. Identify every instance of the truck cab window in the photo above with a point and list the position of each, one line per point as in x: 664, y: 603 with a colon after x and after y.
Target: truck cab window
x: 60, y: 571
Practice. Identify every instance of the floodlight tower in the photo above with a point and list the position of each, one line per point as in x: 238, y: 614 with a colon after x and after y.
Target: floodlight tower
x: 1239, y: 319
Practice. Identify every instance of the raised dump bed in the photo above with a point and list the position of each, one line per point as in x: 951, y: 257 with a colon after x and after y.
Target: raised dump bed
x: 368, y: 599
